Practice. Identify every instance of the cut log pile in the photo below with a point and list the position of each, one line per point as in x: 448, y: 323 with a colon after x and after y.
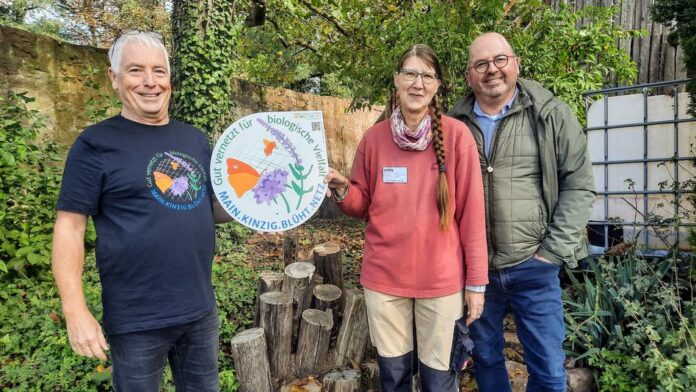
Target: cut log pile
x: 307, y: 324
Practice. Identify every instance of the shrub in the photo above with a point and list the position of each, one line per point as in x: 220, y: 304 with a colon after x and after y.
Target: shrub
x: 632, y: 318
x: 34, y: 349
x: 29, y: 186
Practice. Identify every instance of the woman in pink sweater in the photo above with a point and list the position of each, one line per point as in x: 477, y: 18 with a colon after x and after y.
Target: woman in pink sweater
x: 416, y: 178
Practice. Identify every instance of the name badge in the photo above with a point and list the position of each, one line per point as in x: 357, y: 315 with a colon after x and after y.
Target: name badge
x: 395, y: 175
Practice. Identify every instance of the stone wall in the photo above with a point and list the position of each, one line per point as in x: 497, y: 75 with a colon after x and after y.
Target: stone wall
x: 56, y: 74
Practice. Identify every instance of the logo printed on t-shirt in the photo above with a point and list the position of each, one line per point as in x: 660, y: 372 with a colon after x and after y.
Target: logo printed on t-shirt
x: 176, y: 180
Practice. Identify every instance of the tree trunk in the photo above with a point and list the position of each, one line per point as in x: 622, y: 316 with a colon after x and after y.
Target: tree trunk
x: 276, y: 320
x: 290, y: 246
x: 352, y: 337
x: 268, y: 281
x: 342, y: 381
x: 251, y: 365
x: 201, y: 77
x: 296, y: 282
x: 313, y: 343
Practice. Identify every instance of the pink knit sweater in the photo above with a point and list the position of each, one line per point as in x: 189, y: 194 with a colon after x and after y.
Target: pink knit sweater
x: 406, y: 253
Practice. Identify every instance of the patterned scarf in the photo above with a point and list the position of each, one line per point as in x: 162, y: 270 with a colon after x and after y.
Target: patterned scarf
x: 407, y: 139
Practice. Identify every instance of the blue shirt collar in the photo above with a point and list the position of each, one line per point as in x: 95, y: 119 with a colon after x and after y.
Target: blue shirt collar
x: 480, y: 113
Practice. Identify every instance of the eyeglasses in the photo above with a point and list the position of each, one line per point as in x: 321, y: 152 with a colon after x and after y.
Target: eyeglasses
x: 500, y: 61
x: 410, y: 75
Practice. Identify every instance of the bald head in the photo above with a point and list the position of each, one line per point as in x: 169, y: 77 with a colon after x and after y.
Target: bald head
x: 492, y: 72
x: 487, y: 40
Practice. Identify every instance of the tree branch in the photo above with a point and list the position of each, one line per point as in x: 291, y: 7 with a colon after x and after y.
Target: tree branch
x: 285, y: 43
x: 326, y: 17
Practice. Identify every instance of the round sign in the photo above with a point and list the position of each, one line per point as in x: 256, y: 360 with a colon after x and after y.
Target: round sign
x: 267, y: 169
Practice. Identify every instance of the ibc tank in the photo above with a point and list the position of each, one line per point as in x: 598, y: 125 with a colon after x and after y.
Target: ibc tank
x: 629, y: 143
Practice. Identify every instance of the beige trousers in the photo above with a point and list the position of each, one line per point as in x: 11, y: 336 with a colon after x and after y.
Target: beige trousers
x: 391, y: 325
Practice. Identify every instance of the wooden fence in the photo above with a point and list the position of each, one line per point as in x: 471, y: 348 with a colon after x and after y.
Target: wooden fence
x: 656, y: 59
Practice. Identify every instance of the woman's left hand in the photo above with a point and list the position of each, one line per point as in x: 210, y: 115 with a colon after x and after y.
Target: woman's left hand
x: 474, y: 305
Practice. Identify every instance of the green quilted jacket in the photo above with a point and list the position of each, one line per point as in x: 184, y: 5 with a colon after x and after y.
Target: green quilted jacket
x: 538, y: 195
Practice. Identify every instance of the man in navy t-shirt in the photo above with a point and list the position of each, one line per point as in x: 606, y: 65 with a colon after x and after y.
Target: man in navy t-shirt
x: 143, y: 179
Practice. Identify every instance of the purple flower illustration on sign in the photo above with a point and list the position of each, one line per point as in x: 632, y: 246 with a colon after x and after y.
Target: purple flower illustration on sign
x: 283, y: 139
x: 270, y: 185
x: 179, y: 186
x: 298, y: 171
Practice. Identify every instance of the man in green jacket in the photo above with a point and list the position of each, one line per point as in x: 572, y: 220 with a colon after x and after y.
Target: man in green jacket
x: 539, y: 191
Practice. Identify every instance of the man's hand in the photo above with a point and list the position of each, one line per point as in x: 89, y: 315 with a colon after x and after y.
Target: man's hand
x: 474, y: 305
x: 86, y: 336
x: 542, y: 258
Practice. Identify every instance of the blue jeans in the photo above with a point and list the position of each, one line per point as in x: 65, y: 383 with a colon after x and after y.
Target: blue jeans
x: 532, y: 290
x: 192, y: 349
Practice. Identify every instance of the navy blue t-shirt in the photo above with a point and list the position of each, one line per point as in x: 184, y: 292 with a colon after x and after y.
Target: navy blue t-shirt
x: 147, y: 189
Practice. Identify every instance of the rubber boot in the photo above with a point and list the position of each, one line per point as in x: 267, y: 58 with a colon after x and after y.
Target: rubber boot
x: 433, y: 380
x: 395, y: 373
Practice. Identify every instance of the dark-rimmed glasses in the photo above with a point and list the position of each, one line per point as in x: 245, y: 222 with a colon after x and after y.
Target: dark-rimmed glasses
x: 500, y: 61
x: 410, y: 75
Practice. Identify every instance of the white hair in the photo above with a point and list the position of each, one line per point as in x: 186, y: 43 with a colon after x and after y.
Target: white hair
x: 143, y: 38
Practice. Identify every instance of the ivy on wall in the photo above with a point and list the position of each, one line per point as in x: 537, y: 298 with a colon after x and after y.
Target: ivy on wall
x: 203, y: 35
x: 680, y: 15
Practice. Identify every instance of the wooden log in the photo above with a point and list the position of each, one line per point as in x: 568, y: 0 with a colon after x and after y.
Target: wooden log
x: 353, y: 334
x: 327, y: 297
x: 297, y: 282
x: 268, y: 281
x: 313, y: 343
x: 250, y: 356
x: 327, y: 259
x: 342, y: 381
x: 291, y: 243
x: 276, y: 320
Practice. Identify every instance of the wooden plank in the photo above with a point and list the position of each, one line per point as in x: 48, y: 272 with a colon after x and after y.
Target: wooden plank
x: 668, y: 64
x: 655, y: 73
x: 635, y: 43
x: 646, y: 23
x: 626, y: 15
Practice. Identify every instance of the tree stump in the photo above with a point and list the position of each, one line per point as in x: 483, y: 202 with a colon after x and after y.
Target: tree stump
x: 327, y: 297
x: 342, y: 381
x: 354, y: 332
x: 276, y: 312
x: 250, y: 356
x: 313, y: 343
x: 296, y: 282
x: 291, y: 243
x: 268, y: 281
x: 327, y: 259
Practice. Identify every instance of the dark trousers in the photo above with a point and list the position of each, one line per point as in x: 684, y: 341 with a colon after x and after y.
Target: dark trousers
x: 192, y: 349
x: 532, y: 291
